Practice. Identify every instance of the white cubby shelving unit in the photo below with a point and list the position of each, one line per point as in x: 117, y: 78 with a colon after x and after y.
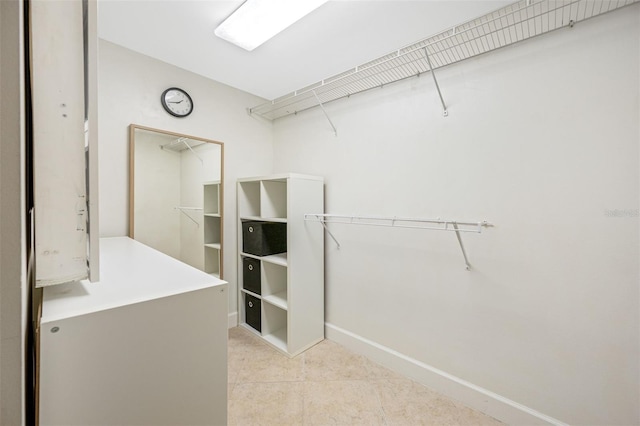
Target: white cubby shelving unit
x: 291, y: 299
x: 212, y: 228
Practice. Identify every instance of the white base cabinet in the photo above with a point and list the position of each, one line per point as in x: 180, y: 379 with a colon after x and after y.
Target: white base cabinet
x: 286, y: 308
x: 147, y: 345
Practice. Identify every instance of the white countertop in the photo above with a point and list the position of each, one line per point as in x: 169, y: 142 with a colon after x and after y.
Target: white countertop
x: 130, y: 272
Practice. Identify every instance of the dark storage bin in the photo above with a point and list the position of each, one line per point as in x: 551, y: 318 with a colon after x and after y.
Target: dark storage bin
x: 251, y: 274
x: 264, y: 238
x: 252, y: 311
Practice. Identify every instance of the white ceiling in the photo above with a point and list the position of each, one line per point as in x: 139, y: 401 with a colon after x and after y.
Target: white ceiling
x: 335, y: 37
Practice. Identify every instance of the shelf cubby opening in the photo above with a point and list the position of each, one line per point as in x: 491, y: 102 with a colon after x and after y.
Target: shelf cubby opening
x: 274, y: 284
x: 212, y: 260
x: 273, y: 199
x: 211, y: 198
x: 212, y: 230
x: 274, y: 325
x: 249, y: 199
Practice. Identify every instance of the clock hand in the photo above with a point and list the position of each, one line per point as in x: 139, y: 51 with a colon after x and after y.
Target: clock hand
x: 175, y: 102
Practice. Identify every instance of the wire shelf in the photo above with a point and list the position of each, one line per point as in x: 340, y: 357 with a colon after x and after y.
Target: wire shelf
x: 183, y: 143
x: 511, y: 24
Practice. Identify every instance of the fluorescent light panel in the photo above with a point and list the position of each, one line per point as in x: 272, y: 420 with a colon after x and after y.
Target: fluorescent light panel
x: 256, y: 21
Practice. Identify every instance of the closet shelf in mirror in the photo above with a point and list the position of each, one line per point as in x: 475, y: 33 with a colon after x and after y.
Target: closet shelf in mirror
x: 212, y: 214
x: 181, y: 144
x: 213, y: 245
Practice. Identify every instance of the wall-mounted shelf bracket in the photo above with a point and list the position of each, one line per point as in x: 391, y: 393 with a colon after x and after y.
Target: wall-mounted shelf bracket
x: 182, y: 210
x: 402, y: 222
x: 444, y: 106
x: 335, y: 131
x: 464, y: 253
x: 324, y: 225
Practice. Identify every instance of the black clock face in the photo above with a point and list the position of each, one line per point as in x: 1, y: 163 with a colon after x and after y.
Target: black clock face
x: 177, y: 102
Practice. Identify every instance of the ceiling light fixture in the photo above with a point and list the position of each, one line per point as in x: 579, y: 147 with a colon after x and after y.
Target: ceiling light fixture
x: 256, y: 21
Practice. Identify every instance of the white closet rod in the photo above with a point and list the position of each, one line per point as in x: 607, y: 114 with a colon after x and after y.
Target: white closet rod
x: 401, y: 222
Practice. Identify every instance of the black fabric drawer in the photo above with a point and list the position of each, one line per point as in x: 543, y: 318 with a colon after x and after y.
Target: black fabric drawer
x: 252, y: 311
x: 251, y: 274
x: 264, y: 238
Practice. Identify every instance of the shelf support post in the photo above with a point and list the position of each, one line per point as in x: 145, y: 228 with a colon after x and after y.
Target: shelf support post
x: 464, y: 253
x: 444, y: 106
x: 335, y: 131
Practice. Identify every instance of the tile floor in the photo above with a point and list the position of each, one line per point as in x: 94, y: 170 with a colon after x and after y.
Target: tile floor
x: 328, y: 385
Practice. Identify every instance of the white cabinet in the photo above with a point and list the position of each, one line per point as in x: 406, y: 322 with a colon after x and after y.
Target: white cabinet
x: 147, y: 345
x: 212, y: 228
x: 286, y: 308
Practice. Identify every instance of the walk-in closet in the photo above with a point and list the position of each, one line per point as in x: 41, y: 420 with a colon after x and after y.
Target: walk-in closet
x: 270, y: 212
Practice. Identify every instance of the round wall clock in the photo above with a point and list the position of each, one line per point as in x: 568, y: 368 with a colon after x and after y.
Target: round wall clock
x: 176, y: 102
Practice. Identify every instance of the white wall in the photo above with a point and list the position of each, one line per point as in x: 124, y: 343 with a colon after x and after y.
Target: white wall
x: 542, y: 141
x: 130, y: 85
x: 13, y: 283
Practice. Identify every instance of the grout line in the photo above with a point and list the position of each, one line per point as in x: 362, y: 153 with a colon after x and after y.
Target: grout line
x: 377, y: 391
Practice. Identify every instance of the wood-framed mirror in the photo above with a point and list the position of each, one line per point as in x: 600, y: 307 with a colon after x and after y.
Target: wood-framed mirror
x: 176, y: 198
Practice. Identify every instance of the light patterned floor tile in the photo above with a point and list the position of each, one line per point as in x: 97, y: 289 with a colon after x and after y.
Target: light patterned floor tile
x: 376, y: 371
x: 236, y: 357
x: 329, y: 361
x: 341, y: 403
x: 407, y: 403
x: 468, y: 416
x: 328, y: 385
x: 265, y: 364
x: 266, y: 404
x: 239, y: 336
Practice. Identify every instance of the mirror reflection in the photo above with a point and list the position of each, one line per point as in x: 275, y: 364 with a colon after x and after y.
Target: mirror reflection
x: 175, y: 203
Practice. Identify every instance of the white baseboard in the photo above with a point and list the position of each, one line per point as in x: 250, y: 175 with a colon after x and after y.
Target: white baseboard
x: 440, y: 381
x: 233, y: 319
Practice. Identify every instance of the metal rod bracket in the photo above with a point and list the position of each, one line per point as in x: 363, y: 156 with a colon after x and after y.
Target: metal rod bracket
x: 464, y: 253
x: 182, y: 210
x: 335, y: 131
x: 445, y: 113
